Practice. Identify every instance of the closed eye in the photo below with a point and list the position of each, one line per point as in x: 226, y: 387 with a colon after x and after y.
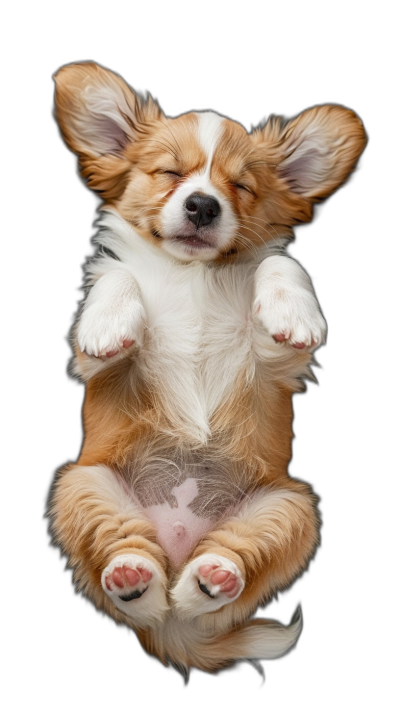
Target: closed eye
x: 244, y: 188
x: 166, y: 172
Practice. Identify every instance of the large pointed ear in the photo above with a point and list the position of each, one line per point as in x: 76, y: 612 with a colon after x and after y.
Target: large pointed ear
x: 100, y: 116
x: 315, y: 152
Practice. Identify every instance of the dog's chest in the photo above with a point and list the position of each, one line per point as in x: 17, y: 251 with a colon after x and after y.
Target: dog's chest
x: 197, y: 339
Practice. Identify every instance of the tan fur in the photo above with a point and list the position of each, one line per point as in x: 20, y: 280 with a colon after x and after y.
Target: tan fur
x: 94, y: 517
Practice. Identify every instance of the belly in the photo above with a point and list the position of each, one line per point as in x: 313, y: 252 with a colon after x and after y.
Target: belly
x: 179, y: 528
x: 186, y: 500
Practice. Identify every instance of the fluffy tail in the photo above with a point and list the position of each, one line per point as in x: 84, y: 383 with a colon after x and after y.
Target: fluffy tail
x: 184, y: 646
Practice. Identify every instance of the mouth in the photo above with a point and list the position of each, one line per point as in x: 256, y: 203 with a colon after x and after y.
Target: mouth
x: 191, y: 246
x: 193, y: 241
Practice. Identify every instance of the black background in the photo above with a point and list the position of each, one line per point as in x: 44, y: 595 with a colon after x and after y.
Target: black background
x: 81, y: 651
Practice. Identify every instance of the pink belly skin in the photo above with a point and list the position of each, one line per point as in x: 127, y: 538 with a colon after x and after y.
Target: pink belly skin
x: 179, y: 529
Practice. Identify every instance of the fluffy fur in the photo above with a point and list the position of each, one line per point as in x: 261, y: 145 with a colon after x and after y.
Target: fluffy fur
x: 179, y: 517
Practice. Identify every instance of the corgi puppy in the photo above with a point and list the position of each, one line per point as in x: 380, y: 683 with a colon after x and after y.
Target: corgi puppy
x: 179, y: 518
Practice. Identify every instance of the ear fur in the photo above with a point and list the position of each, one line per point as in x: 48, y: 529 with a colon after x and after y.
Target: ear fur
x: 315, y: 152
x: 100, y: 116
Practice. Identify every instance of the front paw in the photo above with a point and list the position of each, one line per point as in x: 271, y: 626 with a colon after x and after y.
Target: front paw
x: 291, y: 317
x: 107, y: 332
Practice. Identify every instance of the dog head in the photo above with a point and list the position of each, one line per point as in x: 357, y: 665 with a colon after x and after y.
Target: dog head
x: 199, y: 185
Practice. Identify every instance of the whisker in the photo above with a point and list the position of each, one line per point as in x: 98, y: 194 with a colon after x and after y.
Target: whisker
x: 255, y: 219
x: 271, y: 240
x: 241, y: 225
x: 246, y: 243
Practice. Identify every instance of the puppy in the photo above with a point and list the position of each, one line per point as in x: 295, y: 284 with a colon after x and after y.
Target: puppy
x: 179, y: 517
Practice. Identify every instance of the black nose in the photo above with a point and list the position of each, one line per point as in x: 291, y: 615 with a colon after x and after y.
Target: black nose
x: 201, y: 210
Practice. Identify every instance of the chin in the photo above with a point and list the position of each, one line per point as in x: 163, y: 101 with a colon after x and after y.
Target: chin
x: 180, y: 518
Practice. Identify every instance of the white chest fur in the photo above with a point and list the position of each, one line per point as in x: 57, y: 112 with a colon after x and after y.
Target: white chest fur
x: 198, y: 333
x: 197, y: 326
x: 197, y: 337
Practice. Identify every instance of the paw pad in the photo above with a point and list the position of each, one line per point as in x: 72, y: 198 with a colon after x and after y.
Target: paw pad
x: 122, y: 579
x: 214, y: 580
x: 136, y: 586
x: 206, y: 584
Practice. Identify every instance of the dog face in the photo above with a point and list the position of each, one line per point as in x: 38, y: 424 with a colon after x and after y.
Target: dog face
x: 200, y: 186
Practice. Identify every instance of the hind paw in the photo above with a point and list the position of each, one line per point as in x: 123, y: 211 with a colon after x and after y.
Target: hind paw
x: 136, y: 587
x: 207, y: 583
x: 128, y: 583
x: 214, y: 579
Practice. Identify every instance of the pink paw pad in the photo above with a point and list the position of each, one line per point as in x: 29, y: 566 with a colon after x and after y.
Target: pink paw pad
x: 213, y: 575
x: 299, y: 345
x: 127, y: 578
x: 280, y: 338
x: 126, y: 344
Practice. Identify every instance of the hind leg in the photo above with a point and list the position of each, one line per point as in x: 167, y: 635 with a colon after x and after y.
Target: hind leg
x: 251, y: 556
x: 110, y: 544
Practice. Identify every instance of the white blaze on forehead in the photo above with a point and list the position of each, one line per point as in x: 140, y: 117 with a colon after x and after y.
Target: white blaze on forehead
x: 210, y: 129
x: 174, y: 218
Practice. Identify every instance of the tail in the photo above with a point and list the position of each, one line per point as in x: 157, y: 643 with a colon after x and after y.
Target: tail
x: 184, y: 646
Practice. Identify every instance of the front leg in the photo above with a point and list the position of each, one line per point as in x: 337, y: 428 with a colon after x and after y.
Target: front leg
x: 286, y: 303
x: 113, y: 317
